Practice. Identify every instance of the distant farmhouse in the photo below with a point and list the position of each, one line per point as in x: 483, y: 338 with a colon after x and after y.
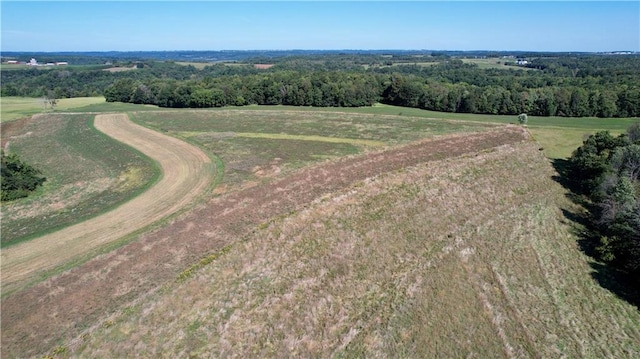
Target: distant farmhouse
x: 34, y: 62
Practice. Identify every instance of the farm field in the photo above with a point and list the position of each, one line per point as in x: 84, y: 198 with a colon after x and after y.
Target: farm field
x: 436, y: 248
x: 197, y: 65
x: 12, y: 108
x: 254, y: 145
x: 76, y: 194
x: 559, y: 136
x: 387, y: 218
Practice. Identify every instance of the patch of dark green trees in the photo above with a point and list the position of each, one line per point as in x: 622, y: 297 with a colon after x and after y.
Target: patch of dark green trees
x: 605, y: 171
x: 17, y: 178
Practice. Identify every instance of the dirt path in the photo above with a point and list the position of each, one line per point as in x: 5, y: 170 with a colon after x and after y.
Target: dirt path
x: 63, y: 306
x: 186, y: 173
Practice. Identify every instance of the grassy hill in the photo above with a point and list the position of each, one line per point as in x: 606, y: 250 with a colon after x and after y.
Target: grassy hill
x: 303, y: 250
x: 463, y: 257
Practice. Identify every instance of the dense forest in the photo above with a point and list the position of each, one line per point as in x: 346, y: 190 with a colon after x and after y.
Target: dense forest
x: 606, y: 171
x: 573, y: 85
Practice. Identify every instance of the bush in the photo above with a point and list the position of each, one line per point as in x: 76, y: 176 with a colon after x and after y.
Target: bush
x: 17, y: 179
x: 523, y: 118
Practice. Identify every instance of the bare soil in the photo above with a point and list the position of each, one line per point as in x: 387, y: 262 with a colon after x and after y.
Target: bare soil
x: 62, y: 307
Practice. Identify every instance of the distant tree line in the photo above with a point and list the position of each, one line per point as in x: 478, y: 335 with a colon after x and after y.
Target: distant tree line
x: 321, y: 89
x: 568, y: 85
x: 556, y: 100
x: 363, y: 89
x: 606, y: 170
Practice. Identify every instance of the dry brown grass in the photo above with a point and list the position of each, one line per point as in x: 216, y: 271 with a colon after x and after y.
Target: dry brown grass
x: 466, y: 257
x: 62, y: 306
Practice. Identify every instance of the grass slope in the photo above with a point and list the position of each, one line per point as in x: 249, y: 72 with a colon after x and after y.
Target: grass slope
x: 559, y: 136
x: 274, y: 141
x: 466, y: 257
x: 87, y: 174
x: 305, y: 121
x: 12, y: 108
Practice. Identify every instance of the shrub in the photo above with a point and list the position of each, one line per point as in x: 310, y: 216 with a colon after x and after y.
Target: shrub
x: 523, y: 118
x: 17, y: 178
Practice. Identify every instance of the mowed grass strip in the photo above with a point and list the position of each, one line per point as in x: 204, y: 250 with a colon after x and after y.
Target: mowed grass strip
x: 87, y: 174
x: 187, y: 172
x: 465, y: 257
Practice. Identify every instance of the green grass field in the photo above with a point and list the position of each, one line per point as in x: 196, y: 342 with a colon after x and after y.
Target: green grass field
x: 271, y: 141
x: 12, y: 108
x: 559, y: 136
x: 304, y: 122
x: 87, y: 174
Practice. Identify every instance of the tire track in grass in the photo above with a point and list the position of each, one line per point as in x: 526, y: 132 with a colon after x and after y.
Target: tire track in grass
x: 186, y: 173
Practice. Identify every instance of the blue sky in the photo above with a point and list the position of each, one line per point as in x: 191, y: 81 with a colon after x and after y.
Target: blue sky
x: 238, y: 25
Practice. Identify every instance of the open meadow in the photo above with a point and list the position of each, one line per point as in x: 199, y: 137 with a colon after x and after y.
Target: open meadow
x: 379, y: 231
x: 558, y: 136
x: 12, y: 108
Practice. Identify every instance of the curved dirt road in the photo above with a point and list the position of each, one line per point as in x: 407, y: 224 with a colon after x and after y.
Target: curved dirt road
x: 186, y: 173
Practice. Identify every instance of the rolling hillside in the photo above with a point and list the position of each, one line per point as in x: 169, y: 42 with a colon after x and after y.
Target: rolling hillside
x: 464, y: 256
